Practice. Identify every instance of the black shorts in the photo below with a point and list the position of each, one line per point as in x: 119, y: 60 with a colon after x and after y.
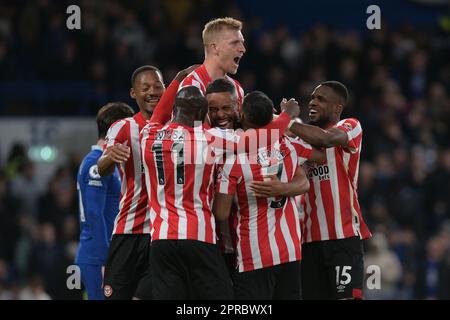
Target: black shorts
x: 332, y: 269
x: 189, y: 269
x: 127, y: 269
x: 230, y: 262
x: 280, y: 282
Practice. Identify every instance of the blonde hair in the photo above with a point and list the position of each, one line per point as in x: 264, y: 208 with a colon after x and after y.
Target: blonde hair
x: 213, y: 27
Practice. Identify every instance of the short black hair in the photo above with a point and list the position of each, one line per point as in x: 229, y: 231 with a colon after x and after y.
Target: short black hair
x: 339, y: 88
x: 189, y: 101
x: 143, y: 69
x: 258, y: 108
x: 110, y: 113
x: 221, y: 85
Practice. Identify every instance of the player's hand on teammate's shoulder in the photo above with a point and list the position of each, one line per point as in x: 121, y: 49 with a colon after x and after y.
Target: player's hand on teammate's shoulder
x: 118, y: 153
x: 291, y: 107
x: 183, y: 73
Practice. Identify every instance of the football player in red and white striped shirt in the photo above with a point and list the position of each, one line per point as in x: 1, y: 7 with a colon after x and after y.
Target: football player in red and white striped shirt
x: 268, y: 229
x: 334, y: 228
x: 180, y: 184
x: 127, y: 272
x: 224, y: 48
x: 223, y: 112
x: 180, y: 171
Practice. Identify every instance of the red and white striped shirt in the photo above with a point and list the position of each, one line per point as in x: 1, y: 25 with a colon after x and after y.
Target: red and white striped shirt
x: 331, y: 205
x: 180, y: 167
x: 201, y: 79
x: 268, y: 230
x: 134, y: 216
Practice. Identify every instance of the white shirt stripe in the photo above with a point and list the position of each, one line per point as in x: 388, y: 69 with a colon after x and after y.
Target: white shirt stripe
x: 320, y: 211
x: 136, y: 149
x: 335, y: 192
x: 253, y: 226
x: 200, y: 146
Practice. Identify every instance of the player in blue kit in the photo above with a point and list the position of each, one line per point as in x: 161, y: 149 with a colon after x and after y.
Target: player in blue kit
x: 98, y: 205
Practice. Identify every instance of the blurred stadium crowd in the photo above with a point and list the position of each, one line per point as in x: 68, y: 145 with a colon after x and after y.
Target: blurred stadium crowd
x: 399, y: 79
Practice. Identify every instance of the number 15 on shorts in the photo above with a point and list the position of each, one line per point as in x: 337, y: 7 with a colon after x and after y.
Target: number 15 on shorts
x: 342, y: 275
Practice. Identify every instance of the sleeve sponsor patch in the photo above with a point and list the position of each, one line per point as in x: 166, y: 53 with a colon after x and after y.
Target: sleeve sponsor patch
x: 93, y: 172
x: 95, y: 183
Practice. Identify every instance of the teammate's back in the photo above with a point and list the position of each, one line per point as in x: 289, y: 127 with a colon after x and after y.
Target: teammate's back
x: 186, y: 262
x: 180, y: 176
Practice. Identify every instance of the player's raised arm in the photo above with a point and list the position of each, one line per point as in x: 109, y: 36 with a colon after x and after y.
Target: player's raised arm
x: 290, y: 110
x: 319, y: 137
x: 163, y: 110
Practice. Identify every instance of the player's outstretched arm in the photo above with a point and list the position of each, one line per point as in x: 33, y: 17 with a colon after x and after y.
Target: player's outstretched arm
x: 319, y: 137
x: 163, y: 109
x: 117, y: 153
x: 222, y: 206
x: 290, y: 110
x: 273, y: 187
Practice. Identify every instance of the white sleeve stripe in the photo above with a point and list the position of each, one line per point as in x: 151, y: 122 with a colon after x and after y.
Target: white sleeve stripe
x: 114, y: 131
x: 201, y: 86
x: 197, y: 84
x: 241, y: 91
x: 355, y: 132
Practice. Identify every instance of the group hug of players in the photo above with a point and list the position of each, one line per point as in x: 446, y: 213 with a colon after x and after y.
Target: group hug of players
x: 208, y: 195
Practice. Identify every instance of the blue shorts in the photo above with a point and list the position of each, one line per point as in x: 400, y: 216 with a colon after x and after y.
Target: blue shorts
x: 91, y: 276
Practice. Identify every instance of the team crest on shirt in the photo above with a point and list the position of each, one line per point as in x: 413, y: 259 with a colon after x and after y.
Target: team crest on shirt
x: 107, y: 291
x: 268, y: 157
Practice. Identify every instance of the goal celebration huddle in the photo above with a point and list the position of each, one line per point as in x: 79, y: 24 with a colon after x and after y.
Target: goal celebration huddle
x: 205, y: 193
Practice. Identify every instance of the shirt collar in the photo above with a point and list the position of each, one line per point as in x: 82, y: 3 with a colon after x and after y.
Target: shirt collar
x: 139, y: 118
